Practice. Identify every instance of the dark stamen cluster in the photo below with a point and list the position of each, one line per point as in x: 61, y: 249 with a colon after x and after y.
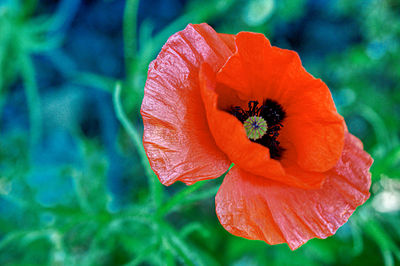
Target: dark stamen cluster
x: 273, y: 113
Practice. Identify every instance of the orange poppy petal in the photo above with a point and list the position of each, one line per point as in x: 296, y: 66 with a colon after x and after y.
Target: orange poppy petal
x: 255, y: 208
x: 176, y: 137
x: 229, y: 40
x: 231, y: 138
x: 312, y: 120
x: 256, y: 68
x: 258, y: 71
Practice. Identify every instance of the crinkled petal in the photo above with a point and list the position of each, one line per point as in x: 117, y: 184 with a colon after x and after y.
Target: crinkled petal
x: 176, y: 137
x: 229, y: 40
x: 230, y: 136
x: 255, y: 208
x: 313, y: 126
x: 259, y: 71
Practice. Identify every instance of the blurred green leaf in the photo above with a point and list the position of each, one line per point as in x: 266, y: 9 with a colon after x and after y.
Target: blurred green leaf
x: 257, y: 12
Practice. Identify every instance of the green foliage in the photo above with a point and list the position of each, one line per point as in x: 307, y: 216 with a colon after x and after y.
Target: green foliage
x: 177, y: 225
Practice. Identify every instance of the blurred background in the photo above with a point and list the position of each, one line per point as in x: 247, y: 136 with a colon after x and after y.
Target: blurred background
x: 75, y: 186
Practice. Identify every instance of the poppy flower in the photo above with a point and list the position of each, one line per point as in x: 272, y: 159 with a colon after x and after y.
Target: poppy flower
x: 214, y: 99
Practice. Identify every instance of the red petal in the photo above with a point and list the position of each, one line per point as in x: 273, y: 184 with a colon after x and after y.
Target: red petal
x: 255, y: 208
x: 313, y: 127
x: 230, y: 135
x: 176, y: 135
x: 231, y: 138
x: 229, y: 40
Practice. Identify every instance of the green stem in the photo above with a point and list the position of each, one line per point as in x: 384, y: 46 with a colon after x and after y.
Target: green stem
x: 188, y: 255
x: 144, y: 254
x: 25, y: 236
x: 178, y: 198
x: 80, y: 193
x: 187, y: 195
x: 155, y: 186
x: 32, y: 96
x: 377, y: 124
x: 129, y: 31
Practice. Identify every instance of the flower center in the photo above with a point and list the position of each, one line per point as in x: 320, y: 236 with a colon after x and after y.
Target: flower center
x: 262, y: 124
x: 255, y: 127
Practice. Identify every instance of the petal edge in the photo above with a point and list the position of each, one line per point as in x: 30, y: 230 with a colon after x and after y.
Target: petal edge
x: 176, y: 137
x: 294, y: 215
